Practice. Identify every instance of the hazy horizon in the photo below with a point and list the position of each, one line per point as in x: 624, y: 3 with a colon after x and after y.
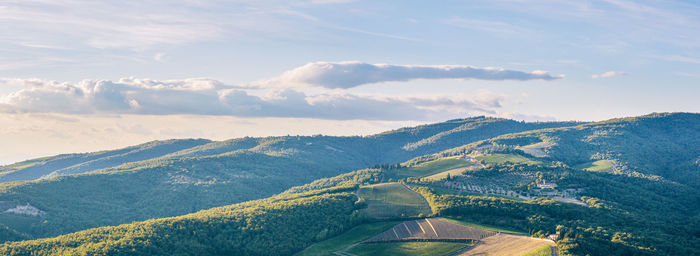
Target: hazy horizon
x: 79, y: 77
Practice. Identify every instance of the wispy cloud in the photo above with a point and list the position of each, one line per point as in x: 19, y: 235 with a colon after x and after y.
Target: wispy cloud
x: 608, y: 74
x: 107, y: 25
x: 685, y: 59
x: 354, y: 73
x: 211, y: 97
x: 486, y: 25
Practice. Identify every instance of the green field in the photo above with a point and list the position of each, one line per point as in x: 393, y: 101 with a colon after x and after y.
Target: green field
x: 429, y: 168
x: 408, y: 248
x: 355, y: 235
x: 392, y: 200
x: 542, y: 251
x: 488, y: 227
x: 502, y: 158
x: 597, y: 166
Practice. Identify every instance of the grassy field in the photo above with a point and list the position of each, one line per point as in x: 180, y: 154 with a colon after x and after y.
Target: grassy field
x: 502, y: 158
x: 488, y: 227
x: 407, y: 248
x: 355, y: 235
x: 597, y: 166
x: 390, y: 200
x: 542, y: 251
x: 430, y: 168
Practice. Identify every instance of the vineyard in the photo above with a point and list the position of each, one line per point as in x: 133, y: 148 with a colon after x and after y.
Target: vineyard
x: 430, y: 229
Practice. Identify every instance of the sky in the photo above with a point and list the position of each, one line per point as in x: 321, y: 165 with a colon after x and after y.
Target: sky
x: 79, y: 76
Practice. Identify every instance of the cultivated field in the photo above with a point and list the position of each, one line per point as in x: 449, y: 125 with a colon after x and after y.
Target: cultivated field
x: 502, y: 158
x: 352, y: 236
x: 430, y: 229
x: 452, y: 173
x: 407, y: 248
x: 597, y: 166
x: 488, y: 227
x: 391, y: 200
x: 536, y: 150
x: 507, y: 245
x: 430, y: 168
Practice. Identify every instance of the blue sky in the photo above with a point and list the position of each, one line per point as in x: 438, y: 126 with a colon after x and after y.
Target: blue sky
x: 75, y: 75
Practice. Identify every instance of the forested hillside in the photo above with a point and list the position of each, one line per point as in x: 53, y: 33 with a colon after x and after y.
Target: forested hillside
x: 276, y: 226
x: 656, y: 145
x: 184, y: 176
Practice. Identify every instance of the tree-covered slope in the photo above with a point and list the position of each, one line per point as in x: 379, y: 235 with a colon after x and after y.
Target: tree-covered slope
x: 276, y: 226
x: 206, y: 175
x: 664, y: 145
x: 428, y: 139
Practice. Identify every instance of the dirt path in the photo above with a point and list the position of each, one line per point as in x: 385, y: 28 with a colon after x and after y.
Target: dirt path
x: 421, y: 196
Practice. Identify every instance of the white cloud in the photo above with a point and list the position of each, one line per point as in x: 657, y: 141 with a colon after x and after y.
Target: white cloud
x: 211, y: 97
x: 608, y: 74
x: 349, y: 74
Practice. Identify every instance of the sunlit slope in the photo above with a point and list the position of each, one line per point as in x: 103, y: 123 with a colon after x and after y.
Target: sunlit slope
x: 204, y: 174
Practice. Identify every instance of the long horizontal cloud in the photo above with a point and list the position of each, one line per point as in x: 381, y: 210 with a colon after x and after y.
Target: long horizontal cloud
x: 211, y: 97
x: 353, y: 73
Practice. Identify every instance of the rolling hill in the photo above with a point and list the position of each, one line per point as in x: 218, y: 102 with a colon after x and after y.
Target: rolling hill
x: 633, y: 206
x: 171, y: 178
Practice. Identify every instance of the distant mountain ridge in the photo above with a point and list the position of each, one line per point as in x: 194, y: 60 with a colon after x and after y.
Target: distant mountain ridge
x: 78, y: 163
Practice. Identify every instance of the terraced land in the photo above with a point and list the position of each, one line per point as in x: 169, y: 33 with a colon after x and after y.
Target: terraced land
x: 506, y: 245
x: 392, y: 200
x: 430, y: 229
